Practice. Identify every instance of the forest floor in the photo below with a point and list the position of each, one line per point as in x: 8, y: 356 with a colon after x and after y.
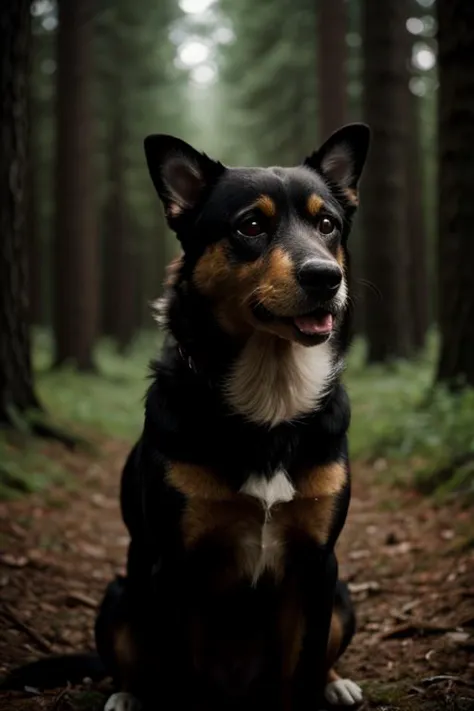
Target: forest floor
x: 410, y: 565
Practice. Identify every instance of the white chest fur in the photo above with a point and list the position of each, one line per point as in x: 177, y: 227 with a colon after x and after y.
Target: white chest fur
x: 264, y: 551
x: 275, y: 381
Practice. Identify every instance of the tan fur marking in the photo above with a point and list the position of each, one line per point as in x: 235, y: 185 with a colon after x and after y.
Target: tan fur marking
x: 238, y: 526
x: 172, y: 270
x: 161, y: 306
x: 340, y: 258
x: 332, y: 676
x: 352, y: 196
x: 278, y: 289
x: 291, y: 627
x: 124, y: 646
x: 212, y: 269
x: 306, y: 517
x: 266, y: 205
x: 127, y: 657
x: 334, y: 644
x: 229, y: 287
x: 197, y: 482
x: 314, y: 204
x: 324, y: 480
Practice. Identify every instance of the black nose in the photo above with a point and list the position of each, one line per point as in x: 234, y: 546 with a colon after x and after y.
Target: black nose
x: 320, y: 276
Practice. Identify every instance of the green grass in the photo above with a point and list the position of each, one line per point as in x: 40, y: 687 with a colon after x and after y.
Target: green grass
x: 426, y: 434
x: 24, y: 469
x: 382, y: 399
x: 109, y: 402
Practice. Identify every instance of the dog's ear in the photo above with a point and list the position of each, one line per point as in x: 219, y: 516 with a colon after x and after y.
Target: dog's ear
x: 341, y: 158
x: 180, y: 174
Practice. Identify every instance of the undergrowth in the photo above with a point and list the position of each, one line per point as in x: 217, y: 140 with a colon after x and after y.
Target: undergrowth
x: 419, y: 434
x: 108, y: 403
x: 425, y: 434
x: 24, y: 468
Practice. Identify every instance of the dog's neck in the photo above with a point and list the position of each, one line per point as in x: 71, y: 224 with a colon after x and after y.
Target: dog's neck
x: 264, y: 378
x: 273, y: 381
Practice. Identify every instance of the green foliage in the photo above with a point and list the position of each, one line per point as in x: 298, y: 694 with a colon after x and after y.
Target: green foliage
x: 24, y: 468
x: 269, y: 80
x: 398, y: 417
x: 106, y: 404
x: 109, y: 402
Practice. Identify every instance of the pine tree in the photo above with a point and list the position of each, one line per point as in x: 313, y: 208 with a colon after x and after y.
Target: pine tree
x: 17, y: 393
x: 384, y: 213
x: 332, y: 71
x: 76, y: 277
x: 455, y: 204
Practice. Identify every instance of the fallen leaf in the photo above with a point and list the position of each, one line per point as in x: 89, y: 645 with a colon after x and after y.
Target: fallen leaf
x: 369, y: 586
x: 358, y: 555
x: 14, y: 561
x: 458, y: 636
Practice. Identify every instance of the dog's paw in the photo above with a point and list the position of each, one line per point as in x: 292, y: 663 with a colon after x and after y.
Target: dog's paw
x: 122, y: 702
x: 343, y: 692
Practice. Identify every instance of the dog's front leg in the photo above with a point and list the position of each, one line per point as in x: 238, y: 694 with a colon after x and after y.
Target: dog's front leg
x: 317, y: 573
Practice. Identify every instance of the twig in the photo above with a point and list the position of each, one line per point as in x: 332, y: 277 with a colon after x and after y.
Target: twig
x: 59, y: 698
x: 410, y: 629
x: 42, y: 643
x: 446, y: 677
x: 74, y: 598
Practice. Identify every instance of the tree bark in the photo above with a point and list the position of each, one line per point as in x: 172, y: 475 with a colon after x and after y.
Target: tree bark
x: 120, y: 258
x: 76, y: 245
x: 332, y: 57
x: 385, y: 193
x: 416, y: 230
x: 455, y: 181
x: 33, y: 236
x: 17, y: 395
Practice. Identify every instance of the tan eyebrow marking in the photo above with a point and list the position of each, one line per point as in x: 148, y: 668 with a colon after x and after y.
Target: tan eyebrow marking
x: 314, y: 204
x: 266, y: 205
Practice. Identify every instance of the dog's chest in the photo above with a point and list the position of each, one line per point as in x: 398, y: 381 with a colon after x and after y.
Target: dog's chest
x: 262, y: 547
x: 240, y: 535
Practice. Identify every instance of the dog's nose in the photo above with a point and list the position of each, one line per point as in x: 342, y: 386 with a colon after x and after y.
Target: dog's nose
x: 320, y: 276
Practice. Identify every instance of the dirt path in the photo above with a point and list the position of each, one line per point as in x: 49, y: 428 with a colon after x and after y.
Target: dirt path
x: 410, y: 566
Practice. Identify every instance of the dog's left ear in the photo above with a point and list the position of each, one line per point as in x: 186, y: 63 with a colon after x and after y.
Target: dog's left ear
x: 341, y: 158
x: 180, y: 174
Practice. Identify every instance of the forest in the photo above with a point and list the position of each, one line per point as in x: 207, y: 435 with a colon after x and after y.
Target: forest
x: 84, y: 248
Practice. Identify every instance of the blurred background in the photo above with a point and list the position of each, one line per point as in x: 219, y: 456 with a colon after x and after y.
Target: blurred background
x: 248, y: 83
x: 83, y: 251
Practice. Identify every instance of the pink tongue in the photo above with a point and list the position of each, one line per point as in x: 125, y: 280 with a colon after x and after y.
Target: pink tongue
x: 311, y: 325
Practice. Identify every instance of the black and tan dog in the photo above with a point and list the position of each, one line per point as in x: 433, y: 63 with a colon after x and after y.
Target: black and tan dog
x: 239, y: 486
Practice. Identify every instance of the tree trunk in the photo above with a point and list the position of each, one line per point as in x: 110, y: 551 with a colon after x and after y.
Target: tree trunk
x: 455, y: 181
x: 332, y: 57
x: 17, y: 394
x: 76, y: 246
x: 385, y: 194
x: 120, y: 260
x: 416, y: 229
x: 35, y: 262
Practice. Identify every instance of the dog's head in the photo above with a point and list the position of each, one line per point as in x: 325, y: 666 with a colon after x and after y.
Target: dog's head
x: 265, y: 246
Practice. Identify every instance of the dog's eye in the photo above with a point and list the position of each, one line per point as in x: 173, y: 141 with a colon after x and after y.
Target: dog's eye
x: 250, y: 227
x: 326, y: 226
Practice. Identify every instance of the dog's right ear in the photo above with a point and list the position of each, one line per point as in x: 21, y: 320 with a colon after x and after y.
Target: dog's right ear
x: 180, y: 174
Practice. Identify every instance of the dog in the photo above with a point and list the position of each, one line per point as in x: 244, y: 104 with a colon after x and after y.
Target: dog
x: 239, y: 486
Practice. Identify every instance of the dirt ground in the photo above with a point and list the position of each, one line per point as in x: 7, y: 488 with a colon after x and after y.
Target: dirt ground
x: 410, y: 566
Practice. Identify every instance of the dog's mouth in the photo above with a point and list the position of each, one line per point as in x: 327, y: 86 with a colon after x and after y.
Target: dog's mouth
x: 318, y: 323
x: 314, y: 326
